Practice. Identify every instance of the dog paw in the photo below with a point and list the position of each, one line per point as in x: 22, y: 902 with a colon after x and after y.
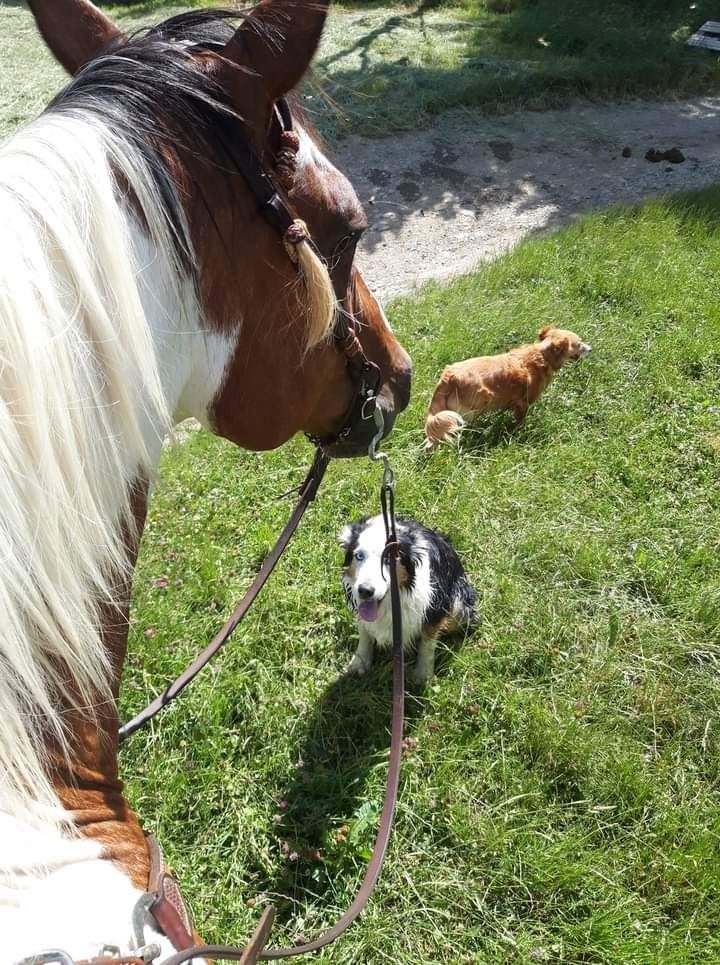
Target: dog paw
x: 419, y: 677
x: 357, y: 667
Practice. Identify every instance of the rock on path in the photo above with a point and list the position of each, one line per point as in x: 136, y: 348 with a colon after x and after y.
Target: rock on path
x: 442, y: 200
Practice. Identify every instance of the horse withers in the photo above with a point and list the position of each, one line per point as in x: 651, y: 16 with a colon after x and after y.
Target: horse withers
x: 140, y: 283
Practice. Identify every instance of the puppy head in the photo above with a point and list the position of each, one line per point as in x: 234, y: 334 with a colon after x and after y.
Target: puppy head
x: 559, y: 345
x: 365, y: 579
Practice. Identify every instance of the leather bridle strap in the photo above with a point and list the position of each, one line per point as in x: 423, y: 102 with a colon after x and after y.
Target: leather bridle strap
x: 374, y: 867
x: 366, y: 377
x: 308, y: 492
x: 165, y: 908
x: 272, y: 206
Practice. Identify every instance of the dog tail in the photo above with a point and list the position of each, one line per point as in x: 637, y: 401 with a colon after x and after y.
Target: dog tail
x: 441, y: 426
x: 442, y: 422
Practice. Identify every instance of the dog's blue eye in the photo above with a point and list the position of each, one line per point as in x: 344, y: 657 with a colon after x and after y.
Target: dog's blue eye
x: 359, y: 556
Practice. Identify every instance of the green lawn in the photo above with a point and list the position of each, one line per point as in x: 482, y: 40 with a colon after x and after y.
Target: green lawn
x: 561, y: 802
x: 385, y: 68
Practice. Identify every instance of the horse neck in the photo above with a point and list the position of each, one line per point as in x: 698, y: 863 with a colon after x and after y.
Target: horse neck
x: 142, y: 325
x: 87, y: 783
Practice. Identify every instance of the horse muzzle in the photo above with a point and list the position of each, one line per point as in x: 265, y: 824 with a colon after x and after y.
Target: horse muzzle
x: 392, y: 398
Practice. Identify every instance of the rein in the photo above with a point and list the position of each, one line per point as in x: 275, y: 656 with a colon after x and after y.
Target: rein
x: 163, y: 902
x: 364, y: 374
x: 308, y: 491
x: 255, y: 950
x: 168, y: 911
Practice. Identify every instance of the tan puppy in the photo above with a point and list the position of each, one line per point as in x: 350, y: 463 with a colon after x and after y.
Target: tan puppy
x: 513, y: 380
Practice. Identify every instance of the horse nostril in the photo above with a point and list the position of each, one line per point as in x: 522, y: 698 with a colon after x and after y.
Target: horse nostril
x: 366, y: 591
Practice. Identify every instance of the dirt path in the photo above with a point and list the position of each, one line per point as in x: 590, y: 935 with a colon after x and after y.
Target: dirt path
x: 445, y: 199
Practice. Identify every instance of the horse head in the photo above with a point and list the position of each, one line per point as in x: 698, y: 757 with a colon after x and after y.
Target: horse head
x: 206, y: 95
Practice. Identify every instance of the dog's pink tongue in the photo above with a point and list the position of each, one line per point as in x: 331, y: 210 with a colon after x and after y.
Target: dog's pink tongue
x: 368, y: 610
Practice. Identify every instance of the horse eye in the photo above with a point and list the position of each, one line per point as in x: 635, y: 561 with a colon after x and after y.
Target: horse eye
x: 349, y: 240
x: 342, y: 246
x: 355, y: 236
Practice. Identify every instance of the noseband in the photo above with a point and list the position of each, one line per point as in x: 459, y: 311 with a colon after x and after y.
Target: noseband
x: 363, y: 374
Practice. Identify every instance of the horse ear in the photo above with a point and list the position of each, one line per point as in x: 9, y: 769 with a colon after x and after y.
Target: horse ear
x: 74, y: 30
x: 276, y: 43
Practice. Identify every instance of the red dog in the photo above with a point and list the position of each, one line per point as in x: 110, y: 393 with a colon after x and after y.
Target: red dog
x: 513, y: 380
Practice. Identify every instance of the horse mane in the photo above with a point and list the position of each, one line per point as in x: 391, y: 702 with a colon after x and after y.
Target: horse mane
x: 81, y: 403
x: 81, y: 400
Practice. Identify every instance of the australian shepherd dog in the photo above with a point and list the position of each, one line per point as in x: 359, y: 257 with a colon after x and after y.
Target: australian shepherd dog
x: 512, y: 380
x: 435, y: 595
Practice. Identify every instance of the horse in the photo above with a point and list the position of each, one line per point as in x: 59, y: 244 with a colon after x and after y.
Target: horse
x: 175, y: 242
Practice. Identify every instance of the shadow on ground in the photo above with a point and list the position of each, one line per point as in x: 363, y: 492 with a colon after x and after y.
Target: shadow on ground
x: 439, y: 202
x: 401, y: 65
x: 475, y: 183
x: 329, y: 809
x: 332, y: 799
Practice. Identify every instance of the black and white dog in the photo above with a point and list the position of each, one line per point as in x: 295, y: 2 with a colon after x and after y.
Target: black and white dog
x: 435, y: 595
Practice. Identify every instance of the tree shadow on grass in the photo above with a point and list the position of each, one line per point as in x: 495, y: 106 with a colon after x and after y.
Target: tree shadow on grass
x: 535, y: 52
x: 474, y: 166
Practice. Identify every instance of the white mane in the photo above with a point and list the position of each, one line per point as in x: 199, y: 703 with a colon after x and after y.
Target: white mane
x: 80, y: 405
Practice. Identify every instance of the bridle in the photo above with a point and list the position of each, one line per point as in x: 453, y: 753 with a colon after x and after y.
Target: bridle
x: 364, y: 375
x: 163, y: 902
x: 363, y: 406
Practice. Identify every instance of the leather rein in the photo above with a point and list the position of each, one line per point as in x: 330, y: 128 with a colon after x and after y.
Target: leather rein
x: 162, y: 902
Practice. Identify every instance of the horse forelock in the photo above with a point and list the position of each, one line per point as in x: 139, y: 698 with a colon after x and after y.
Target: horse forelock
x: 153, y: 91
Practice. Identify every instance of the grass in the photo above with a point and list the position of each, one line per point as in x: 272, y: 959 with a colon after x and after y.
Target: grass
x: 561, y: 801
x: 387, y: 68
x: 394, y: 69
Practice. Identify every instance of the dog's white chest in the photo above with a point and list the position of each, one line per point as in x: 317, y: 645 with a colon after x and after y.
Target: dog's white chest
x: 413, y: 607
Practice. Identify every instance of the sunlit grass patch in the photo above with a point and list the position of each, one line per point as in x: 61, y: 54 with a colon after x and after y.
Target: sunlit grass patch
x: 561, y: 802
x: 394, y: 68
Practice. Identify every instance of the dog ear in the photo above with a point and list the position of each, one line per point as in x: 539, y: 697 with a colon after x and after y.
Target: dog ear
x: 410, y: 556
x: 545, y: 331
x: 348, y: 534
